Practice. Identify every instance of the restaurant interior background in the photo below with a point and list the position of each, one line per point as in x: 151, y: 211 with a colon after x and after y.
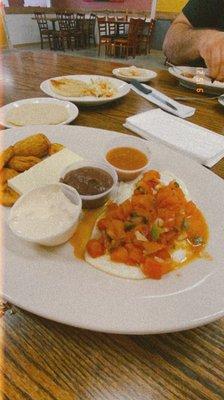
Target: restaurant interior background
x: 22, y: 30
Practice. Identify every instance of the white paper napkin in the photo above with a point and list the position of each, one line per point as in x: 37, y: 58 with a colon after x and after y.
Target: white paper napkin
x: 194, y: 141
x: 182, y: 111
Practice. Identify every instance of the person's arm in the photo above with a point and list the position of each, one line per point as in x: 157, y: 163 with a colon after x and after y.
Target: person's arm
x: 184, y: 44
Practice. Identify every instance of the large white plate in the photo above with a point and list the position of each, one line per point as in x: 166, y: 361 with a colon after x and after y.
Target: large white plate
x: 54, y: 284
x: 207, y: 87
x: 122, y: 89
x: 71, y: 108
x: 146, y: 74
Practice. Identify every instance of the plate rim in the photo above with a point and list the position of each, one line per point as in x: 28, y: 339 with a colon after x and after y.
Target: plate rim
x: 73, y: 109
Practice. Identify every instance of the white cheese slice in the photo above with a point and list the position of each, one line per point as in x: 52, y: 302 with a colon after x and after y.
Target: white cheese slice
x: 46, y: 172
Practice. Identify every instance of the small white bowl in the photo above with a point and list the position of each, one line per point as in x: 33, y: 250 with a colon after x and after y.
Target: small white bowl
x: 94, y: 201
x: 132, y: 142
x: 47, y: 239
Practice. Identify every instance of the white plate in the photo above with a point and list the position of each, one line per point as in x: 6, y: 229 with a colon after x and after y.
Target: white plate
x: 71, y: 108
x: 146, y: 74
x: 122, y: 90
x: 207, y: 87
x: 54, y: 284
x: 221, y: 100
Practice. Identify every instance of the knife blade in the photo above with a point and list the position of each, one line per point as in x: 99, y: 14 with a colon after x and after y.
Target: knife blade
x: 145, y: 90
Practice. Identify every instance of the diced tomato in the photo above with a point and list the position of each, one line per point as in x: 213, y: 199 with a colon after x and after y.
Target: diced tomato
x: 135, y: 255
x: 95, y: 248
x: 116, y: 229
x: 152, y: 247
x: 142, y: 200
x: 163, y: 254
x: 126, y: 208
x: 102, y: 224
x: 151, y: 176
x: 119, y: 255
x: 152, y: 268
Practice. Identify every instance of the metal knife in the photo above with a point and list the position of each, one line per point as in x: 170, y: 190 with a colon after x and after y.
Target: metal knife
x: 145, y: 90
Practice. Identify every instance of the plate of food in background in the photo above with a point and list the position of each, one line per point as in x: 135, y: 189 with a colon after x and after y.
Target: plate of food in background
x: 85, y: 89
x: 129, y: 73
x: 37, y: 111
x: 146, y: 255
x: 197, y: 77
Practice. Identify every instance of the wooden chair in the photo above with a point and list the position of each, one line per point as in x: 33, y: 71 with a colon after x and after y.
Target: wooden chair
x: 145, y: 45
x: 104, y: 37
x: 45, y: 32
x: 121, y: 28
x: 90, y: 29
x: 112, y: 27
x: 64, y: 30
x: 131, y: 44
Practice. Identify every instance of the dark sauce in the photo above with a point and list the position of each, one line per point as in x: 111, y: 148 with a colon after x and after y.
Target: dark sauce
x: 89, y: 181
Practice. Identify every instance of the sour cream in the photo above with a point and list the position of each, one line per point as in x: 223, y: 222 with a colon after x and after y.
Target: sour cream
x: 46, y: 215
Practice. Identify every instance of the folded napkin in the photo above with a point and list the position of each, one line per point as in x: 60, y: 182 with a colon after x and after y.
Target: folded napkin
x: 202, y: 145
x: 182, y: 111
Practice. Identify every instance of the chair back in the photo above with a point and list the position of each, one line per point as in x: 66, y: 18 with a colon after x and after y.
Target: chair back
x: 41, y: 21
x: 121, y: 27
x: 135, y: 31
x: 112, y: 28
x: 63, y: 21
x: 80, y: 21
x: 92, y: 24
x: 102, y: 26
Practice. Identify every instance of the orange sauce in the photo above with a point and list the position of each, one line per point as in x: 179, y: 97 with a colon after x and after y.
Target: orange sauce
x: 84, y: 231
x: 126, y: 158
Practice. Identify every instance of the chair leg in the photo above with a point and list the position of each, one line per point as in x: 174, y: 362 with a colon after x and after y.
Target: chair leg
x: 99, y: 45
x: 41, y: 42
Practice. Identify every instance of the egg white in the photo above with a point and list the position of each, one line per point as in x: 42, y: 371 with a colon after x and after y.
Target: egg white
x: 124, y: 192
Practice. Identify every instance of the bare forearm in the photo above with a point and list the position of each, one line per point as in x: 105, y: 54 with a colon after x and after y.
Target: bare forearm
x: 182, y: 43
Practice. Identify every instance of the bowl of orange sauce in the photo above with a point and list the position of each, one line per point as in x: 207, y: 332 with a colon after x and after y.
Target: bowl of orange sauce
x: 128, y: 156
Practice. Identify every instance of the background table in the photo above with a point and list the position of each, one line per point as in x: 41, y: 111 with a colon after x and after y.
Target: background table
x: 44, y: 360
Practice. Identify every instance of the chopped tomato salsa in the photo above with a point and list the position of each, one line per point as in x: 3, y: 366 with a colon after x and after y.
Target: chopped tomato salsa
x: 146, y: 229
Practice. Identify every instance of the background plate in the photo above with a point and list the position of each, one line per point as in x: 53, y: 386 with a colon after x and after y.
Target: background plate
x: 122, y: 89
x: 147, y: 75
x: 71, y: 108
x: 54, y: 284
x: 212, y: 88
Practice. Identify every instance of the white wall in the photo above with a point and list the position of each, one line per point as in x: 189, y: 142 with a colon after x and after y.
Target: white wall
x: 22, y: 29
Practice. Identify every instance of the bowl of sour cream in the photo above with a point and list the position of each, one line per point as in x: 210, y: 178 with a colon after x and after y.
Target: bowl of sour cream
x: 47, y: 215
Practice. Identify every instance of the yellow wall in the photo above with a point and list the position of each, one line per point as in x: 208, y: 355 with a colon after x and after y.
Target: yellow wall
x: 171, y: 5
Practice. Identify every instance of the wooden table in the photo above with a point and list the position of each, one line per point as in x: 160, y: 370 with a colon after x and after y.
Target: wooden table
x: 44, y: 360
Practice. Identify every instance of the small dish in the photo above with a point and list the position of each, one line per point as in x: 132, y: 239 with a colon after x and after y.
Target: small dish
x: 133, y: 143
x: 61, y: 228
x: 92, y: 200
x: 72, y: 110
x: 144, y: 76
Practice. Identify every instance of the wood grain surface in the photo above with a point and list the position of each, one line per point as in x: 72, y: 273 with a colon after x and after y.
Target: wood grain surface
x: 44, y: 360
